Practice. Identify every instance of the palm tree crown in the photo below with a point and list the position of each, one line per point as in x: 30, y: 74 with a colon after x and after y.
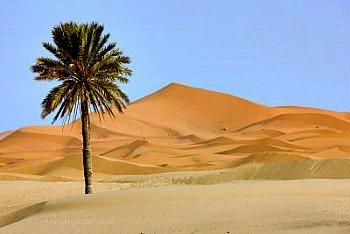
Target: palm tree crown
x: 87, y: 68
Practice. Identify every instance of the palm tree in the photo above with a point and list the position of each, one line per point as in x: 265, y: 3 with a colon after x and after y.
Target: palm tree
x: 87, y: 69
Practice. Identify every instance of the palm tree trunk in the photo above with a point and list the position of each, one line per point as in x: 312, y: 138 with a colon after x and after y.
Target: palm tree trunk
x: 86, y: 133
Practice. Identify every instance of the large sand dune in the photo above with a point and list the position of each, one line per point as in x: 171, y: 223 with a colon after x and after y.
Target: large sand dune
x: 180, y: 128
x: 182, y: 160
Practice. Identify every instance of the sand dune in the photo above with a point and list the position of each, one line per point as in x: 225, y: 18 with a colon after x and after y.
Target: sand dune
x: 191, y: 110
x: 180, y: 128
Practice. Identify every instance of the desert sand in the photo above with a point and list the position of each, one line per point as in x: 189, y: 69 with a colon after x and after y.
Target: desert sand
x: 185, y: 160
x: 258, y: 206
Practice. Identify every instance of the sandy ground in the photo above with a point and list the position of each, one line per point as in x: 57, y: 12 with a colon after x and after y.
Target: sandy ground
x: 258, y: 206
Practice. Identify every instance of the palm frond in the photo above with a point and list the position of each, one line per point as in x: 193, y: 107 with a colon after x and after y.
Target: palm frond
x: 55, y: 97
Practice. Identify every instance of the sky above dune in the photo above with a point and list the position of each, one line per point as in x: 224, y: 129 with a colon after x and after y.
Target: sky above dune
x: 271, y: 52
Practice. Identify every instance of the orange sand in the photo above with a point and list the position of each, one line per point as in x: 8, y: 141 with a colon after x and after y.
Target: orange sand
x: 180, y: 128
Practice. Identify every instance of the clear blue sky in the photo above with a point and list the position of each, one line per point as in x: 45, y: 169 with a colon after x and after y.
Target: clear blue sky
x: 271, y: 52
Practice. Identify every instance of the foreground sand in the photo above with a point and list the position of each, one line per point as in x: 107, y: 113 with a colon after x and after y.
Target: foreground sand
x: 290, y: 206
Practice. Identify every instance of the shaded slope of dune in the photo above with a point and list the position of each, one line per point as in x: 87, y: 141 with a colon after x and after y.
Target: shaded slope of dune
x: 293, y: 121
x: 31, y: 140
x: 272, y: 165
x: 5, y: 134
x: 124, y: 150
x: 100, y: 165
